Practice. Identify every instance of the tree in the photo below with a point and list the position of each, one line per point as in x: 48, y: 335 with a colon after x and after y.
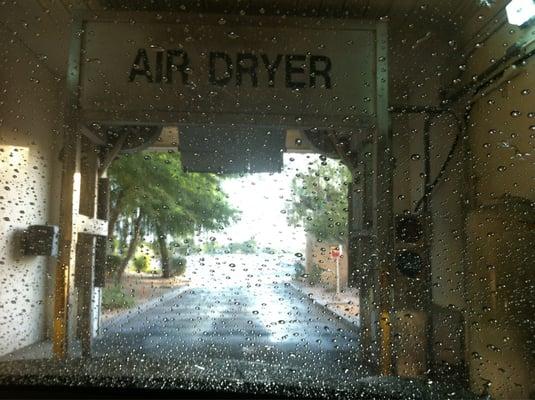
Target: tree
x: 248, y: 246
x: 211, y: 247
x: 152, y: 194
x: 319, y: 200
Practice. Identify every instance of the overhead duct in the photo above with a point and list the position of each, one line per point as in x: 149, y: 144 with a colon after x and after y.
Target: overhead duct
x: 226, y: 149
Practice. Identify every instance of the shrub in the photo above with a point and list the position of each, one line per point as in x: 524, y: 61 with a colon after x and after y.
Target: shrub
x: 113, y: 297
x: 314, y: 277
x: 142, y: 264
x: 299, y: 270
x: 178, y: 265
x: 113, y: 262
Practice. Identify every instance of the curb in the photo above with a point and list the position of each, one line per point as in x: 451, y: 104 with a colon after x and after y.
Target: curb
x: 353, y: 322
x: 136, y: 310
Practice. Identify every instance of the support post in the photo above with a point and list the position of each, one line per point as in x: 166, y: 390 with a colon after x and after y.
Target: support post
x: 70, y: 186
x: 383, y: 210
x: 85, y: 260
x: 337, y: 275
x: 371, y: 224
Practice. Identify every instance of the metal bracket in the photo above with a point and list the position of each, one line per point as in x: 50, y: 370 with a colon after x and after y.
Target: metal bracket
x: 112, y: 153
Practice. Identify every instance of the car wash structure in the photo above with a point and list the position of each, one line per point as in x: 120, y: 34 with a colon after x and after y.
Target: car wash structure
x: 232, y: 95
x: 441, y: 153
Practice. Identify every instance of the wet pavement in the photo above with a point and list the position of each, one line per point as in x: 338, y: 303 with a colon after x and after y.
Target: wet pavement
x: 239, y: 310
x: 239, y: 328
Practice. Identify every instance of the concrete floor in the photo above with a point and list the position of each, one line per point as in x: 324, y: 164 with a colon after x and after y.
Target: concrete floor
x: 240, y: 318
x: 240, y: 327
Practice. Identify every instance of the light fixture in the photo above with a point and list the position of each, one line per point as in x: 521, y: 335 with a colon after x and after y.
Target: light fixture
x: 520, y: 11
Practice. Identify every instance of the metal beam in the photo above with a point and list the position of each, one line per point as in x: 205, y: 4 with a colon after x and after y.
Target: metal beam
x: 70, y: 187
x: 92, y: 226
x: 112, y: 153
x: 93, y: 135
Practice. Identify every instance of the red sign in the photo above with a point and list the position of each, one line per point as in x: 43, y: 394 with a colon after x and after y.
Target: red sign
x: 335, y: 252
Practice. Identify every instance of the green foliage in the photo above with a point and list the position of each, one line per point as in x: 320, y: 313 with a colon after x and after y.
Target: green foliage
x: 184, y: 247
x: 246, y: 247
x: 268, y: 250
x: 319, y: 200
x: 212, y: 247
x: 178, y: 265
x: 113, y: 297
x: 299, y: 270
x: 113, y: 261
x: 168, y: 201
x: 179, y: 202
x: 314, y: 276
x: 142, y: 263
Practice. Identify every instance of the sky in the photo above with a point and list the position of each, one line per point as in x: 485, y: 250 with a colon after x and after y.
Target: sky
x: 262, y: 199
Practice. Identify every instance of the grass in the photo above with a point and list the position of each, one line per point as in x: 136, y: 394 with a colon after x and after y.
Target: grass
x: 113, y: 298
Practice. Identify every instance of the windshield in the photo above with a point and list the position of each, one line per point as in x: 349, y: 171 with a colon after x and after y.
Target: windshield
x: 297, y: 199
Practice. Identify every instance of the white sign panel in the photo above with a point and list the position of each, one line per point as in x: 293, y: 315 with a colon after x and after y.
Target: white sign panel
x: 219, y: 71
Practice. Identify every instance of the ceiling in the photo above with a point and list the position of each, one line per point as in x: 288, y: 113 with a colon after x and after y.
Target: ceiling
x: 44, y: 25
x: 311, y: 8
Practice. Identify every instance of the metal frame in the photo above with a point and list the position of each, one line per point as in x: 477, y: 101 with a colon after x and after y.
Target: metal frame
x: 379, y: 128
x: 383, y: 203
x: 79, y: 221
x: 68, y: 210
x: 372, y: 221
x: 178, y: 118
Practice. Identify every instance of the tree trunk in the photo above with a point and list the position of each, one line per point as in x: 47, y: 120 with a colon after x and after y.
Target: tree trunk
x: 112, y: 220
x: 164, y: 253
x: 136, y: 234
